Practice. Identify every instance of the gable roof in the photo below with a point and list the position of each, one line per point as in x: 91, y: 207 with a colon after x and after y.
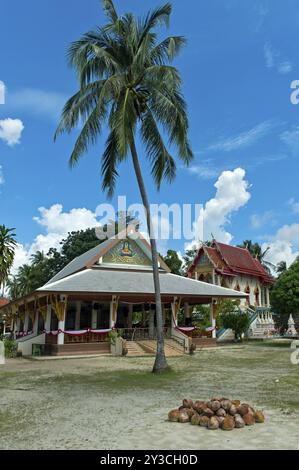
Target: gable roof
x: 231, y: 261
x: 106, y: 281
x: 90, y: 257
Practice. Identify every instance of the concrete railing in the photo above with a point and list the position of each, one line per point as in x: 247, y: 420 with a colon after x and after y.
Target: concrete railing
x: 25, y: 344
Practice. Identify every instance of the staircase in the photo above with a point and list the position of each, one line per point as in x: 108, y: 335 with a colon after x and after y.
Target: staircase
x: 134, y: 349
x: 172, y: 347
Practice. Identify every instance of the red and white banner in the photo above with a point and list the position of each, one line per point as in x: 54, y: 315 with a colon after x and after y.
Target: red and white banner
x: 78, y: 332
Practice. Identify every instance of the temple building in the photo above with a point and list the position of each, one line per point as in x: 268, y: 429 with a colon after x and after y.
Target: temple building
x: 110, y: 289
x: 234, y: 268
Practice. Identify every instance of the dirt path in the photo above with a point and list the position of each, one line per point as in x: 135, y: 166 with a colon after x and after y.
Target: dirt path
x: 115, y: 403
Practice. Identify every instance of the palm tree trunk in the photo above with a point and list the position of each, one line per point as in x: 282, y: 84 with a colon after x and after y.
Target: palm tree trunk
x: 160, y: 361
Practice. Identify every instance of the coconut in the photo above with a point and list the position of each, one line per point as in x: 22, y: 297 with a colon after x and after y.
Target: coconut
x: 183, y: 417
x: 233, y: 410
x: 215, y: 405
x: 195, y: 419
x: 199, y: 406
x: 236, y: 403
x: 243, y: 409
x: 221, y: 412
x: 249, y: 419
x: 259, y: 416
x: 228, y: 423
x: 208, y: 412
x: 226, y: 404
x: 239, y: 421
x: 190, y: 412
x: 187, y: 403
x: 213, y: 423
x: 220, y: 420
x: 204, y: 420
x: 173, y: 415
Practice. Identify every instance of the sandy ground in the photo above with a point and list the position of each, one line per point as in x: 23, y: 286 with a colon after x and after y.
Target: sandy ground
x: 116, y: 403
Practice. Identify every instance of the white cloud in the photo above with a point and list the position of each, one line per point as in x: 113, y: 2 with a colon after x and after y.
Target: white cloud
x: 231, y: 194
x: 57, y: 224
x: 260, y: 220
x: 273, y: 60
x: 284, y: 245
x: 294, y: 205
x: 11, y: 131
x: 244, y: 139
x: 291, y: 139
x: 285, y: 67
x: 36, y: 102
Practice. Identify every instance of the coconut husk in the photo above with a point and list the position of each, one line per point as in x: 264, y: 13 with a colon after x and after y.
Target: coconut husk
x: 228, y: 423
x: 187, y: 403
x: 233, y: 410
x: 221, y: 412
x: 249, y: 419
x: 195, y: 419
x: 173, y: 415
x: 213, y: 423
x: 239, y: 421
x: 259, y: 417
x: 226, y: 404
x: 204, y: 420
x: 183, y: 417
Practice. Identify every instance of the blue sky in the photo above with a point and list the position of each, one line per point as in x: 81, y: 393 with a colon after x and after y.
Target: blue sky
x: 237, y: 69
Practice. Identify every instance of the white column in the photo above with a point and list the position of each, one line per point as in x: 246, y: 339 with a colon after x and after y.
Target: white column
x: 78, y: 315
x: 94, y: 319
x: 173, y: 315
x: 48, y: 318
x: 267, y: 296
x: 213, y: 319
x: 61, y: 326
x: 113, y: 312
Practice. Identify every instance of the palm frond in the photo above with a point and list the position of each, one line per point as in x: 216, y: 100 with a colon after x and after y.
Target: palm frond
x: 109, y: 165
x: 110, y: 11
x: 167, y: 50
x: 163, y: 164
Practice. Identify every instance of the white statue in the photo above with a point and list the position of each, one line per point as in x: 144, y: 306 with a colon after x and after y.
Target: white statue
x: 291, y: 326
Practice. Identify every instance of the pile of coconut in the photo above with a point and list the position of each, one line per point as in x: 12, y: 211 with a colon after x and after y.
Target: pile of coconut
x: 218, y: 413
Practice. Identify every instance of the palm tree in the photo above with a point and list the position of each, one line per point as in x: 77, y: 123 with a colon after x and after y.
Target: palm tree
x: 7, y: 253
x: 281, y: 267
x: 126, y: 82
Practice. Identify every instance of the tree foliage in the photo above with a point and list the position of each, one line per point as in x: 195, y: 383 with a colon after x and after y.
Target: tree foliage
x: 174, y: 262
x: 284, y: 295
x: 7, y: 252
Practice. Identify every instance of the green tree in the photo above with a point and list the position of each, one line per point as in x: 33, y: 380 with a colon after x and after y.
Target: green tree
x: 189, y: 258
x: 7, y: 252
x: 236, y: 320
x: 127, y: 84
x: 284, y: 295
x: 281, y: 267
x: 173, y: 262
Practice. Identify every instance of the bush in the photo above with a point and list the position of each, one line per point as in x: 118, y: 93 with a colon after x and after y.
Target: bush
x: 10, y: 348
x: 236, y: 320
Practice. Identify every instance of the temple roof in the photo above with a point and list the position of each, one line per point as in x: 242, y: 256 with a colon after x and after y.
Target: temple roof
x: 94, y: 255
x: 107, y: 281
x: 231, y: 261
